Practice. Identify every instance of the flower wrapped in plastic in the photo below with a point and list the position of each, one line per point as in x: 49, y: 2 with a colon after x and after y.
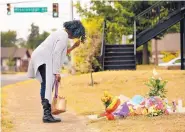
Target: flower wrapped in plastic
x: 113, y: 107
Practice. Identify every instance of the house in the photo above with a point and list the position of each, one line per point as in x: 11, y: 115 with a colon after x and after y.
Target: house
x: 19, y: 56
x: 169, y: 43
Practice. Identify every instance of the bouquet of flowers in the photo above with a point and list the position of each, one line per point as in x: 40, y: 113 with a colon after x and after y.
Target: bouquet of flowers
x: 107, y: 99
x: 156, y: 106
x: 111, y: 104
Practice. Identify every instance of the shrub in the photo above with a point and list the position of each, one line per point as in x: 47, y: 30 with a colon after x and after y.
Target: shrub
x: 84, y: 57
x: 157, y: 86
x: 169, y: 56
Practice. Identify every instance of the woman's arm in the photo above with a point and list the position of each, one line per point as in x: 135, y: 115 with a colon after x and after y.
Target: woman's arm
x: 73, y: 47
x: 56, y: 56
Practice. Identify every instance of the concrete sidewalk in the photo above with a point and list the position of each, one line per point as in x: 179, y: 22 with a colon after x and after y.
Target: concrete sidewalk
x: 24, y: 105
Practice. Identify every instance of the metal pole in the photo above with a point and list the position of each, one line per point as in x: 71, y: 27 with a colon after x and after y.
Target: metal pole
x: 184, y: 43
x: 156, y: 52
x: 71, y: 41
x: 134, y: 37
x: 71, y: 10
x: 182, y: 38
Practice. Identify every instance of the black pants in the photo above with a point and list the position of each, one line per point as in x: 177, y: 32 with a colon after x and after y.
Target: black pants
x: 42, y: 70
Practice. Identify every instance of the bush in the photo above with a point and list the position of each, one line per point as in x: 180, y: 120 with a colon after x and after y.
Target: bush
x: 169, y: 56
x: 11, y: 64
x: 85, y: 56
x: 157, y: 86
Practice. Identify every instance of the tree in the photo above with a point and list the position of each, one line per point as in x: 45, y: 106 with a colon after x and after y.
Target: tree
x: 120, y: 16
x: 116, y: 26
x: 8, y: 39
x: 84, y: 56
x: 42, y: 37
x: 21, y: 43
x: 35, y: 38
x: 32, y: 42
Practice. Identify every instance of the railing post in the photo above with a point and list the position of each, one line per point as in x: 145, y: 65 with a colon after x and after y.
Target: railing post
x: 182, y: 38
x: 134, y: 37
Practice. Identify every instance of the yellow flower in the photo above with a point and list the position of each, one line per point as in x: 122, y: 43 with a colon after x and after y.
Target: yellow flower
x: 106, y: 94
x: 103, y: 99
x: 107, y: 98
x: 110, y: 98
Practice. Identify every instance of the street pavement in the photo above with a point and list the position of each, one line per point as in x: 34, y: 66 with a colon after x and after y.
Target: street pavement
x: 7, y: 79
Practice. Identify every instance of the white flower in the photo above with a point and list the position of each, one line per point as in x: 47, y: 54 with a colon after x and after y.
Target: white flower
x: 155, y: 72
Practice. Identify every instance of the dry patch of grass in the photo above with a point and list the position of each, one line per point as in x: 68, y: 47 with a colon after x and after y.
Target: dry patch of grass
x: 171, y: 123
x: 85, y: 99
x: 6, y: 122
x: 150, y: 67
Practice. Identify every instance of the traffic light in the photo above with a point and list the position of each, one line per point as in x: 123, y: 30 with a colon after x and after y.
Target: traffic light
x: 55, y: 10
x: 8, y: 9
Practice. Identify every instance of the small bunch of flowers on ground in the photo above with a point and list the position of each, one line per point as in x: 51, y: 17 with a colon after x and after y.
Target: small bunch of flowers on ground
x: 107, y: 99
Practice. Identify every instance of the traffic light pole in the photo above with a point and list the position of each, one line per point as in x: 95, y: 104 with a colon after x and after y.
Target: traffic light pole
x: 72, y: 10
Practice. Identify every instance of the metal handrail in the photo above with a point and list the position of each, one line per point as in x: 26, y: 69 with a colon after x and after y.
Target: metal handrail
x: 155, y: 14
x: 148, y: 9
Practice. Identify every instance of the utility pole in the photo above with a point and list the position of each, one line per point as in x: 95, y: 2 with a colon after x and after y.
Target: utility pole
x: 71, y: 41
x: 71, y: 10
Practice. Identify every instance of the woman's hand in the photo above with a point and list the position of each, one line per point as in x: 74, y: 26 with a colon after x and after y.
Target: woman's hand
x: 57, y: 77
x: 68, y: 50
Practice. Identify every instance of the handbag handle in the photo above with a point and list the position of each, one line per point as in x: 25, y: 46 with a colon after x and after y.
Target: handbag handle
x: 56, y: 88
